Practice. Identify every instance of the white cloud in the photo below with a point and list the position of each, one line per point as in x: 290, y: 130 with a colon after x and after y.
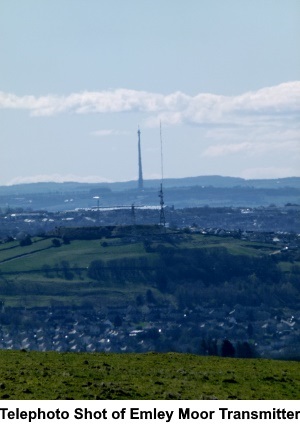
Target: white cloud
x: 119, y: 100
x: 259, y: 140
x: 108, y: 132
x: 254, y: 123
x: 227, y: 149
x: 269, y: 172
x: 268, y: 103
x: 57, y: 178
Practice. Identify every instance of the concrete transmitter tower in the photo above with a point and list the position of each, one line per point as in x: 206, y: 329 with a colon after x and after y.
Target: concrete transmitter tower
x: 140, y: 180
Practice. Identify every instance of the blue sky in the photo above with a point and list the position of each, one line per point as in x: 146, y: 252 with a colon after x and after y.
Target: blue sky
x: 77, y: 78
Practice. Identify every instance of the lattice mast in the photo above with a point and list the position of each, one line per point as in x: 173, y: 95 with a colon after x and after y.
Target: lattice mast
x: 162, y: 219
x: 140, y: 180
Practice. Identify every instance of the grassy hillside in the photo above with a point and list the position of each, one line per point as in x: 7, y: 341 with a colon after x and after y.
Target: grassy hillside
x: 49, y: 376
x: 128, y: 264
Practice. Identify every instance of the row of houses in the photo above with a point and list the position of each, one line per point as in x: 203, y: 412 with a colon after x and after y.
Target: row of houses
x: 228, y: 219
x: 148, y: 328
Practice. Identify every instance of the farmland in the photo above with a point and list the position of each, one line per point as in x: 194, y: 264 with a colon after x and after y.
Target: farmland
x: 43, y: 271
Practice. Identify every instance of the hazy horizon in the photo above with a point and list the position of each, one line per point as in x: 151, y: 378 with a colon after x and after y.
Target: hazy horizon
x: 145, y: 180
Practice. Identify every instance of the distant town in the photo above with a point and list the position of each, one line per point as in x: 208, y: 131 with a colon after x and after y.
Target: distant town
x: 148, y: 327
x: 272, y: 223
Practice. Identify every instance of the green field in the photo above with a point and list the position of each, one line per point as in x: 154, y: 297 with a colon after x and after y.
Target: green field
x: 87, y: 376
x: 38, y: 274
x: 84, y: 251
x: 23, y: 276
x: 14, y: 258
x: 80, y: 252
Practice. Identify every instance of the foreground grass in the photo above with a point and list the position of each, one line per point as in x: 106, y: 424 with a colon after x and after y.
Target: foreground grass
x: 84, y: 376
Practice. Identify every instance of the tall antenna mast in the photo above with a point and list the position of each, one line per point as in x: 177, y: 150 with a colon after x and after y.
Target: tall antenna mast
x: 161, y: 154
x: 140, y: 180
x: 162, y: 219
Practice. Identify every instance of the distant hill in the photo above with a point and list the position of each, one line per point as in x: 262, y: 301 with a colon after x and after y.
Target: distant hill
x: 227, y: 182
x: 197, y: 191
x: 206, y: 181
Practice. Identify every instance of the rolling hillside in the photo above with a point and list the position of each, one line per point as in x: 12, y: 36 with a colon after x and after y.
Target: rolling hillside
x: 45, y: 270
